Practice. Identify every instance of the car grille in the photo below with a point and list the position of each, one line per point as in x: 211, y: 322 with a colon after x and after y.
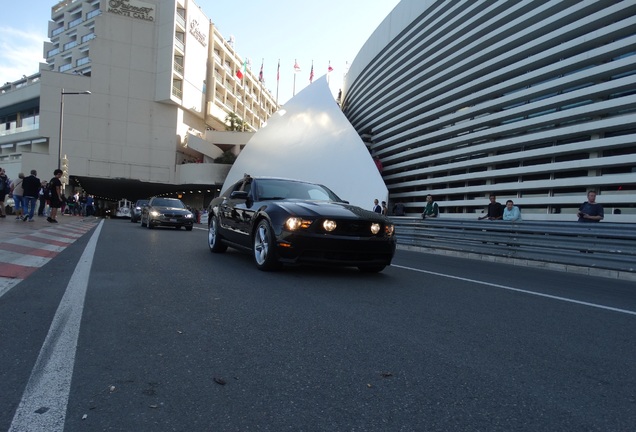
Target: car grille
x: 353, y: 228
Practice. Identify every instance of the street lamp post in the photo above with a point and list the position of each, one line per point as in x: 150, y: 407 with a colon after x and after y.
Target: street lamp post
x: 62, y: 94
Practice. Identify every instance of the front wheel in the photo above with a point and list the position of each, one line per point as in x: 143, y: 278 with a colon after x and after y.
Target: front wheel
x: 214, y: 238
x: 263, y: 247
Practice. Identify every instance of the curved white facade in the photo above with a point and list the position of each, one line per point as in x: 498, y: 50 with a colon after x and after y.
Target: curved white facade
x: 532, y: 101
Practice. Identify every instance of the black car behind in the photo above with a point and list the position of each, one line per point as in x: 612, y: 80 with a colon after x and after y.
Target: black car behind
x: 166, y: 212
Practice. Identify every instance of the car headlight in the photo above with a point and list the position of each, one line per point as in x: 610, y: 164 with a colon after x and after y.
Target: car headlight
x: 294, y: 223
x: 375, y: 228
x: 389, y: 229
x: 154, y: 213
x: 329, y: 225
x: 188, y: 216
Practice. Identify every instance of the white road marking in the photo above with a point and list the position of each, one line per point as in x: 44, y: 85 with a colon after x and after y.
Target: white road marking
x: 43, y: 404
x: 565, y: 299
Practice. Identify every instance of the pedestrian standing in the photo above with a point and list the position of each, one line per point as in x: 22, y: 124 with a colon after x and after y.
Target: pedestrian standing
x: 590, y: 210
x: 495, y: 209
x: 376, y: 206
x: 31, y: 192
x: 17, y: 192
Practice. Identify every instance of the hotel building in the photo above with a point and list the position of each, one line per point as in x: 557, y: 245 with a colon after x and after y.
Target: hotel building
x: 162, y: 81
x: 532, y: 101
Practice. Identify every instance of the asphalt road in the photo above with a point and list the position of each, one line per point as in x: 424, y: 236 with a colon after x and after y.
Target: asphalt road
x: 148, y: 331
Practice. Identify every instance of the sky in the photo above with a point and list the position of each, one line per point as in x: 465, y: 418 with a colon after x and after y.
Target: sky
x: 323, y: 32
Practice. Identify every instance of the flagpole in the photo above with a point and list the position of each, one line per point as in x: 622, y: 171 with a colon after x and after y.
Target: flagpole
x: 261, y: 79
x: 277, y: 81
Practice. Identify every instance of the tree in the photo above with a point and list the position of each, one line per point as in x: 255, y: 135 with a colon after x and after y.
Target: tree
x: 234, y: 123
x: 226, y: 158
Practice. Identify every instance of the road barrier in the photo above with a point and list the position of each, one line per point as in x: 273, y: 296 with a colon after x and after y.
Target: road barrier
x: 603, y: 249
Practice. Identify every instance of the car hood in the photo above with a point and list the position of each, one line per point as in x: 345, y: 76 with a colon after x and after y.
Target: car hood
x: 327, y: 209
x: 170, y: 209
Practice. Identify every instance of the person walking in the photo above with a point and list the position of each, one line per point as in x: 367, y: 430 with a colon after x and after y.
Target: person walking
x: 55, y: 188
x: 5, y: 186
x: 90, y: 207
x: 31, y: 192
x: 17, y: 191
x: 44, y: 197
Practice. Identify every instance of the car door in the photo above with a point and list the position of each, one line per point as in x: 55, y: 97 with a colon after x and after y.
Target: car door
x: 230, y: 212
x: 244, y: 213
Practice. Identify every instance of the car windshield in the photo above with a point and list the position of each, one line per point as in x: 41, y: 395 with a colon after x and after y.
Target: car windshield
x: 165, y: 202
x: 270, y: 189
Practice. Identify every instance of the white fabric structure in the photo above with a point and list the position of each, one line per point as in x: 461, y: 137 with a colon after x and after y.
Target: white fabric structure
x: 310, y: 139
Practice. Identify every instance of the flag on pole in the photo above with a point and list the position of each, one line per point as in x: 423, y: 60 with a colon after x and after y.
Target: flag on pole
x: 240, y: 74
x: 311, y: 74
x: 296, y: 67
x: 329, y: 68
x: 278, y: 71
x: 260, y: 74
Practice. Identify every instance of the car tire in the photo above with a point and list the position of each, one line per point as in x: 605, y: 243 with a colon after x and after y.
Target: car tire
x: 263, y: 245
x: 371, y: 268
x: 132, y: 220
x: 188, y: 228
x: 214, y: 238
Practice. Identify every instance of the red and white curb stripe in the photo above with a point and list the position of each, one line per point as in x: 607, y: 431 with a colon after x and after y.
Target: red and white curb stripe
x: 21, y: 256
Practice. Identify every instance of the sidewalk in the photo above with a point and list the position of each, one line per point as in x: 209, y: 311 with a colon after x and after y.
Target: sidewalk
x: 27, y: 246
x: 11, y: 228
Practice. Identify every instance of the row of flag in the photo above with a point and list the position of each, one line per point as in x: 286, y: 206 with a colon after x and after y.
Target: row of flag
x: 241, y: 73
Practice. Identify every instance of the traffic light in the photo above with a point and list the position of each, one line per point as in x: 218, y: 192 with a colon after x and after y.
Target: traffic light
x: 64, y: 178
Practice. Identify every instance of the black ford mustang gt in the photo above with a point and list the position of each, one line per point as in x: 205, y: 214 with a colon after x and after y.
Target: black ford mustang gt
x: 293, y: 222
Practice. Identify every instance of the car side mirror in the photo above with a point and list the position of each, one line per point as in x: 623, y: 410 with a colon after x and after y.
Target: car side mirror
x: 239, y: 195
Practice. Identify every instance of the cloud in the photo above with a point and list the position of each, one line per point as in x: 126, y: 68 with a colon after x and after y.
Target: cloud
x: 20, y: 53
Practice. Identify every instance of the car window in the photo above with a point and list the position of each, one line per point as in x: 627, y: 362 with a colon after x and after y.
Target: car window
x: 164, y: 202
x: 318, y: 194
x: 286, y: 189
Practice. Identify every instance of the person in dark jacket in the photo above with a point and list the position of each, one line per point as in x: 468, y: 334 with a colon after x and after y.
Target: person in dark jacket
x: 590, y: 210
x: 31, y: 186
x: 495, y: 209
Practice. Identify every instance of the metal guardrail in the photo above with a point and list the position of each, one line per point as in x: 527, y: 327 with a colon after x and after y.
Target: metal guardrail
x: 610, y: 246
